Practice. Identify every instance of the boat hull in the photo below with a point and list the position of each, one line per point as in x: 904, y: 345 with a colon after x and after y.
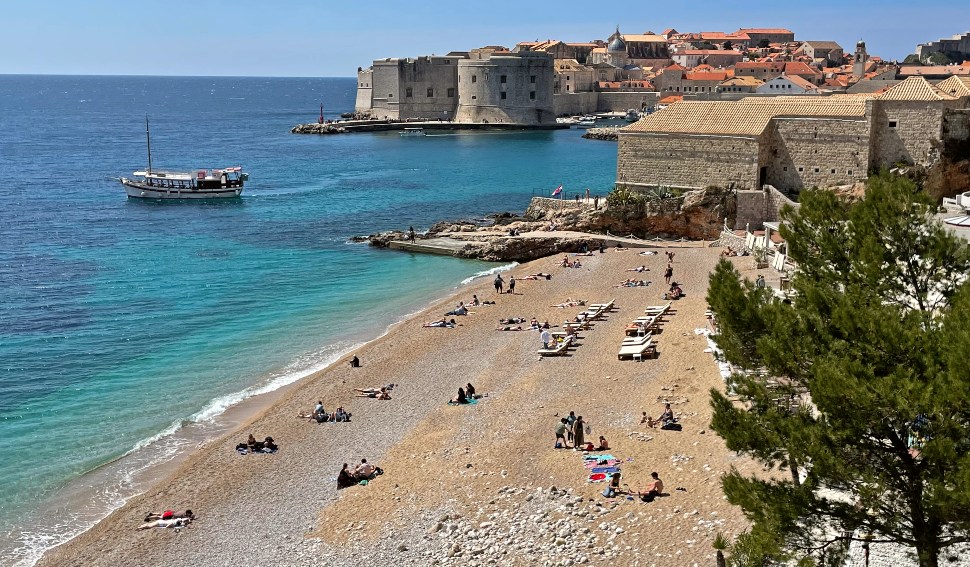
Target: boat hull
x: 142, y: 191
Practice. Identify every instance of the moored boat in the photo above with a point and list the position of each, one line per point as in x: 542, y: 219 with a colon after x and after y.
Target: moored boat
x: 407, y: 132
x: 198, y: 184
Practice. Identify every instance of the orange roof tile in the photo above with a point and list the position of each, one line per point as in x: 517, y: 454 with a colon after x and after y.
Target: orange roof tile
x: 706, y: 76
x: 915, y: 89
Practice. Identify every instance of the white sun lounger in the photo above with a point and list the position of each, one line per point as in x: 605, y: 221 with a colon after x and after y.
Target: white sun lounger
x: 558, y: 350
x: 637, y: 351
x: 658, y: 309
x: 637, y: 340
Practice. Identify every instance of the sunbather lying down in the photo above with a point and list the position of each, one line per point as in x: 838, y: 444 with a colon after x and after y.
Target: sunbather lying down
x: 441, y: 323
x: 633, y: 283
x: 638, y: 269
x: 381, y: 394
x: 510, y: 328
x: 537, y: 276
x: 570, y: 303
x: 512, y: 321
x: 171, y: 523
x: 169, y: 515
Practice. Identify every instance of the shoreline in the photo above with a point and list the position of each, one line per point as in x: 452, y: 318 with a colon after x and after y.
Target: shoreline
x: 129, y: 475
x: 289, y: 498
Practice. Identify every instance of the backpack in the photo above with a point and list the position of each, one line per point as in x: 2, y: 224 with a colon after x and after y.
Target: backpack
x: 168, y: 514
x: 671, y: 426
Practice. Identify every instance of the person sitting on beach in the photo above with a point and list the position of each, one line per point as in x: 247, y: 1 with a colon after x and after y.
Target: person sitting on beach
x: 565, y: 262
x: 355, y: 362
x: 664, y: 418
x: 674, y: 293
x: 475, y: 302
x: 381, y: 394
x: 614, y: 487
x: 546, y: 325
x: 638, y: 269
x: 168, y: 515
x: 341, y: 415
x: 654, y: 489
x: 577, y: 264
x: 171, y: 523
x: 269, y: 445
x: 345, y: 478
x: 253, y: 444
x: 364, y: 471
x: 462, y: 397
x: 604, y: 444
x: 442, y: 323
x: 460, y: 310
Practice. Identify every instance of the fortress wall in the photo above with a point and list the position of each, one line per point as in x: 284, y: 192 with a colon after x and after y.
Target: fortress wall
x: 574, y: 103
x: 807, y: 152
x: 956, y: 125
x: 426, y: 76
x: 365, y: 79
x: 685, y: 160
x: 904, y: 131
x: 386, y: 89
x: 621, y: 102
x: 525, y: 96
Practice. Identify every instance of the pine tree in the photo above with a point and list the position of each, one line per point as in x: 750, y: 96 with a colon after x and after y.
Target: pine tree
x: 875, y: 347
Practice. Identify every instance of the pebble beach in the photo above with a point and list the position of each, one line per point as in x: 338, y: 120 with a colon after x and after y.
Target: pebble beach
x: 467, y: 485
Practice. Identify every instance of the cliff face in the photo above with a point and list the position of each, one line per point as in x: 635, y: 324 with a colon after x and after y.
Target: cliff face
x: 695, y: 215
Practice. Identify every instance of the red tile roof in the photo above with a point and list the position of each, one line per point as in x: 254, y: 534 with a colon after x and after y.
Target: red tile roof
x: 670, y: 99
x: 706, y: 76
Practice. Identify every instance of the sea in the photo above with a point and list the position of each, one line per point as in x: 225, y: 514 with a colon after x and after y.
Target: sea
x: 130, y: 330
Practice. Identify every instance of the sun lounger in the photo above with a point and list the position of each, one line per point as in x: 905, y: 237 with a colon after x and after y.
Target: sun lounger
x: 658, y: 309
x: 635, y: 351
x: 636, y: 341
x: 558, y: 350
x: 604, y: 307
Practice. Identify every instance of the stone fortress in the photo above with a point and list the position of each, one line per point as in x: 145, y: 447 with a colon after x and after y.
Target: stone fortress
x: 795, y: 142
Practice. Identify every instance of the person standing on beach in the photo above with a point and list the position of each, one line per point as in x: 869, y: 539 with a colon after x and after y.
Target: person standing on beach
x: 561, y: 433
x: 411, y: 234
x: 587, y: 194
x: 499, y: 283
x: 570, y: 420
x: 545, y: 337
x: 670, y: 257
x: 512, y: 285
x: 596, y: 202
x: 668, y: 273
x: 579, y: 436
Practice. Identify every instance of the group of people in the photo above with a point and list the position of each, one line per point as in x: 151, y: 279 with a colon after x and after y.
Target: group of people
x: 320, y: 414
x: 654, y: 488
x: 362, y: 472
x: 675, y: 292
x: 251, y: 445
x: 168, y: 519
x: 573, y: 264
x: 664, y: 420
x: 571, y: 433
x: 465, y: 395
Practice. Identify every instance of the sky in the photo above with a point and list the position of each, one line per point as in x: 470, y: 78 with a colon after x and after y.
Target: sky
x: 327, y: 38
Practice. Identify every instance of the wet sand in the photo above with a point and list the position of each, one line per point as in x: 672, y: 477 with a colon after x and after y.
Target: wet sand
x: 449, y: 469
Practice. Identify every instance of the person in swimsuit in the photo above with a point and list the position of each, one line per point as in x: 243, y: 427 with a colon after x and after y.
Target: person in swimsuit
x: 171, y: 523
x: 654, y: 489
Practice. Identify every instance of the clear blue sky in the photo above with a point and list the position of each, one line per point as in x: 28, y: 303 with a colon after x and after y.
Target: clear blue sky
x: 298, y: 38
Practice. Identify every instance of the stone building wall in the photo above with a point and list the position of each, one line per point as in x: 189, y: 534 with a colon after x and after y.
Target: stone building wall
x: 816, y: 152
x: 506, y: 89
x: 905, y: 131
x: 688, y: 161
x: 757, y: 207
x: 956, y: 125
x: 385, y: 89
x: 365, y: 79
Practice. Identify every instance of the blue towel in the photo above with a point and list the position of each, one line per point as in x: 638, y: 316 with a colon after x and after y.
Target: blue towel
x: 471, y: 402
x: 598, y: 457
x: 608, y: 470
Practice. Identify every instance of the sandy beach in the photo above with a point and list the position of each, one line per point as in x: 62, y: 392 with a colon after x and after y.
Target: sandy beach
x: 467, y: 485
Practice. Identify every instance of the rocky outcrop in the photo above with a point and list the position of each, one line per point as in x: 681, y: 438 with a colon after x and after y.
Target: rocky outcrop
x: 607, y: 134
x: 524, y: 248
x: 315, y: 128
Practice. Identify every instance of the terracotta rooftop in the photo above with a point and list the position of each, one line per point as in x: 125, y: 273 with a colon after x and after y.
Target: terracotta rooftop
x: 745, y: 81
x: 798, y: 81
x: 746, y: 117
x: 823, y: 44
x: 670, y: 99
x: 958, y: 86
x: 934, y: 70
x: 644, y: 38
x: 916, y: 89
x: 706, y: 76
x: 799, y: 68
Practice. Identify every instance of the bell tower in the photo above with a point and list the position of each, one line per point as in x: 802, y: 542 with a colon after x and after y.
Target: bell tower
x: 861, y: 58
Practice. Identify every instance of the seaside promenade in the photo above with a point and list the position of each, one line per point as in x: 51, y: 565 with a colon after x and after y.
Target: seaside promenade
x: 468, y: 485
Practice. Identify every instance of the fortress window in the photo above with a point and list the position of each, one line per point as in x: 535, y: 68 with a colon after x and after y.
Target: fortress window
x: 503, y: 95
x: 892, y: 123
x: 801, y: 169
x: 833, y: 171
x: 430, y: 92
x: 408, y: 92
x: 474, y: 97
x: 474, y: 78
x: 785, y: 168
x: 503, y: 79
x: 390, y: 96
x: 451, y: 92
x: 532, y: 95
x: 567, y: 87
x: 849, y: 172
x: 532, y: 79
x: 816, y: 170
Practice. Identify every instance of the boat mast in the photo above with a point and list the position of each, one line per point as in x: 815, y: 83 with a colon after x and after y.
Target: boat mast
x: 148, y: 138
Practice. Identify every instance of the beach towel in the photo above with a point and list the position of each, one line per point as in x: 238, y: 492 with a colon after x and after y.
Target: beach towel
x: 608, y: 470
x: 597, y: 477
x: 471, y: 402
x: 605, y: 456
x: 604, y: 463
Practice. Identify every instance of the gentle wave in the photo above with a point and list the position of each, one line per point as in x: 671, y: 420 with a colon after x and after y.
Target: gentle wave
x: 495, y: 270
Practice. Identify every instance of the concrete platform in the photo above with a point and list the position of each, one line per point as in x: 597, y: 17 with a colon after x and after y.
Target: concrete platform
x: 442, y: 246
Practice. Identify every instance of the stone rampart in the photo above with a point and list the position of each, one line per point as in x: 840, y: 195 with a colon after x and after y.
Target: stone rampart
x: 506, y: 89
x: 956, y: 125
x: 687, y: 160
x: 757, y: 207
x: 816, y: 152
x: 906, y: 131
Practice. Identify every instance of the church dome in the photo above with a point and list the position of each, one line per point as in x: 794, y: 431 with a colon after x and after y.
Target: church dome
x: 617, y: 44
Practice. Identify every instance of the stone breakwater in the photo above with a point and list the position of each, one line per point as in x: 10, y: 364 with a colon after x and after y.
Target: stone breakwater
x: 607, y: 134
x: 318, y: 129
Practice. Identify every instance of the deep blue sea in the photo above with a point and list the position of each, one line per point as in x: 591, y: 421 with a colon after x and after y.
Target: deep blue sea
x: 123, y: 322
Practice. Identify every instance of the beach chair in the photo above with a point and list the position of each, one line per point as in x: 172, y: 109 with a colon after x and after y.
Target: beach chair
x: 647, y: 349
x: 637, y: 340
x: 658, y: 309
x: 604, y: 307
x: 558, y: 350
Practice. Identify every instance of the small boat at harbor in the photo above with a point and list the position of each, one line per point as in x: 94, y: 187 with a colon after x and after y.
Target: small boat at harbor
x: 586, y: 123
x: 197, y: 184
x: 408, y: 132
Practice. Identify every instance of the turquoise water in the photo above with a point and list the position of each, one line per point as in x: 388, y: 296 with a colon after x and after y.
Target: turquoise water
x: 121, y: 321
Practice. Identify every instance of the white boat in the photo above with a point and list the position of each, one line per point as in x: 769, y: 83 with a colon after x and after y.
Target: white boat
x: 408, y: 132
x: 632, y: 115
x: 199, y: 184
x: 585, y: 123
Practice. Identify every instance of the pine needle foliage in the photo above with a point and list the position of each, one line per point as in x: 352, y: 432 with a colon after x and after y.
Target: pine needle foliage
x: 875, y: 346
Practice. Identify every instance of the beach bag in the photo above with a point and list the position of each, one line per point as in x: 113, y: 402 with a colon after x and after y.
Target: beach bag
x: 671, y: 426
x: 168, y: 514
x: 378, y: 471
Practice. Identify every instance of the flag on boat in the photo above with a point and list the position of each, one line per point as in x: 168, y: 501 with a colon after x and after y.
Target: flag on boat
x: 558, y: 190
